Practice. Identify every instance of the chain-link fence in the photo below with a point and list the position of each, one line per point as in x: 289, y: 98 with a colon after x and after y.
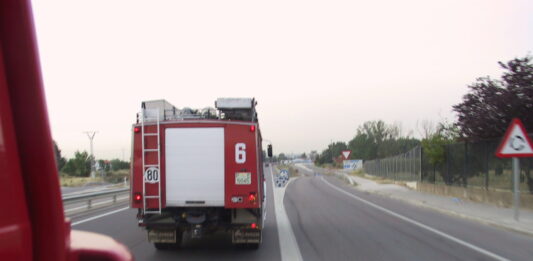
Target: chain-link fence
x: 475, y: 165
x: 405, y: 166
x: 463, y: 164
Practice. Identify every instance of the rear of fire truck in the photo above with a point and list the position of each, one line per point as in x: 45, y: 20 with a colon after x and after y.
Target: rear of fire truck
x: 196, y: 172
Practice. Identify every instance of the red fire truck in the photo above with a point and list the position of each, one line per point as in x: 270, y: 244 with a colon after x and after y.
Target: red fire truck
x: 195, y: 172
x: 32, y: 223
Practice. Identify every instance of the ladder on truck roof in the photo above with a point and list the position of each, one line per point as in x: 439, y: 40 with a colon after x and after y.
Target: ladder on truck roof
x: 152, y: 171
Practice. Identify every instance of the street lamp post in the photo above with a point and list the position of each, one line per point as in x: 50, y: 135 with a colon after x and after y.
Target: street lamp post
x: 91, y: 135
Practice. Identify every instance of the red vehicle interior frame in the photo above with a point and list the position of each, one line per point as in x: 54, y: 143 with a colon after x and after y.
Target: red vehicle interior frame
x: 26, y: 146
x: 36, y: 156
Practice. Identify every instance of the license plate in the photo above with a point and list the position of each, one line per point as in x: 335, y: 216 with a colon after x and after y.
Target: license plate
x: 243, y: 178
x: 246, y: 236
x: 162, y: 236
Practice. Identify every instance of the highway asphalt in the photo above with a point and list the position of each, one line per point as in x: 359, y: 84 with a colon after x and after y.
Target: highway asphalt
x: 332, y: 221
x: 122, y: 226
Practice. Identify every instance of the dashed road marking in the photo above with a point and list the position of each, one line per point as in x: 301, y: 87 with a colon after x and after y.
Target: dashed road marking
x: 99, y: 216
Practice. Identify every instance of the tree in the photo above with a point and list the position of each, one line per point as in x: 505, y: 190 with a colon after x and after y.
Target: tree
x: 333, y: 151
x: 376, y: 139
x: 434, y: 146
x: 313, y: 155
x: 362, y: 147
x: 117, y: 164
x: 60, y: 160
x: 80, y: 165
x: 104, y: 164
x: 425, y: 128
x: 489, y: 107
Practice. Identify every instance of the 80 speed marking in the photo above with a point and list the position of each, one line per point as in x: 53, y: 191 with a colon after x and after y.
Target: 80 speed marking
x: 151, y: 175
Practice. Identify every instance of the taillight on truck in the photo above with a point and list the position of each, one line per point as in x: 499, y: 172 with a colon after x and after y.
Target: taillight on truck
x: 252, y: 197
x: 137, y: 197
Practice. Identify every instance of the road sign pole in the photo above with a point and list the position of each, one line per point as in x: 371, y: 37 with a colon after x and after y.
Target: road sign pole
x: 516, y: 187
x: 515, y: 144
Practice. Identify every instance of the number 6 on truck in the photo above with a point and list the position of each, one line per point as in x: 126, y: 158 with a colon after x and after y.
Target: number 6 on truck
x: 240, y: 153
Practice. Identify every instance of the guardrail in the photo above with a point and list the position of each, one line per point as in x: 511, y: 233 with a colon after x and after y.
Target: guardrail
x: 94, y: 196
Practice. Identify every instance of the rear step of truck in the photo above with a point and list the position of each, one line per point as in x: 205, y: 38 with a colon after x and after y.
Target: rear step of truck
x: 151, y: 171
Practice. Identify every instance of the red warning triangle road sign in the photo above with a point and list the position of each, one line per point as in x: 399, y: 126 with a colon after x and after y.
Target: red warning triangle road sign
x: 346, y: 154
x: 515, y: 143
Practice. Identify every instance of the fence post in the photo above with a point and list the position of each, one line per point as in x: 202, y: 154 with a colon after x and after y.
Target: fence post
x: 395, y: 167
x: 486, y: 165
x: 434, y: 174
x: 420, y: 157
x: 404, y: 166
x: 412, y: 165
x: 411, y: 158
x: 400, y: 167
x: 465, y: 169
x: 421, y: 160
x: 447, y: 158
x: 386, y: 171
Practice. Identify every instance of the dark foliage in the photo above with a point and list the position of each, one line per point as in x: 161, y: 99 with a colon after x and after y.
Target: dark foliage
x: 489, y: 107
x: 60, y: 160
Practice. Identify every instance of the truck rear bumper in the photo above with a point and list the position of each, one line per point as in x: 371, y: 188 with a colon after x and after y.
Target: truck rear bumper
x: 169, y: 226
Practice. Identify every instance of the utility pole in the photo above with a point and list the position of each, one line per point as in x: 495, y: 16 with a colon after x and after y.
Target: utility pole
x: 91, y: 135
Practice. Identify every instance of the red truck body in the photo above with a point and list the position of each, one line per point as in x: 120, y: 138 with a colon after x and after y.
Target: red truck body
x: 32, y: 222
x: 238, y: 206
x: 234, y: 132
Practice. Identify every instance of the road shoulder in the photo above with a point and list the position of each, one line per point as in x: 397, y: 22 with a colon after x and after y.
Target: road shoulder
x: 480, y: 212
x: 287, y: 241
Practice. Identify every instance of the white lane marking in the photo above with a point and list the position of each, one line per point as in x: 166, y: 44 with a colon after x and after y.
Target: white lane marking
x: 99, y: 216
x: 94, y: 189
x: 416, y: 223
x: 96, y: 204
x: 346, y: 176
x: 287, y: 241
x: 265, y: 196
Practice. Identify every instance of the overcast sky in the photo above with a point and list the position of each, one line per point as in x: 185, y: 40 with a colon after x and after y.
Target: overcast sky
x: 318, y: 69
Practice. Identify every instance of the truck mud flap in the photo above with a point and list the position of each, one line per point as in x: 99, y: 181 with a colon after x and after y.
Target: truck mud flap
x: 243, y: 236
x: 162, y: 236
